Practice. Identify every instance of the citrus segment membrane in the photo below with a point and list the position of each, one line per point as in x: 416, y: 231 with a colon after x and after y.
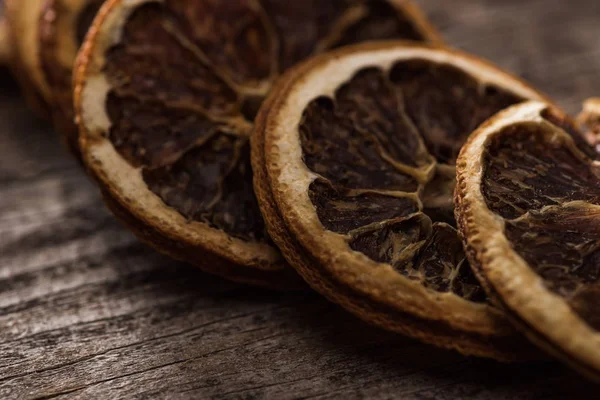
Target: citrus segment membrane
x: 218, y: 177
x: 380, y: 147
x: 337, y: 151
x: 235, y: 37
x: 524, y: 173
x: 342, y: 210
x: 446, y: 104
x: 305, y: 28
x: 562, y: 244
x: 185, y: 80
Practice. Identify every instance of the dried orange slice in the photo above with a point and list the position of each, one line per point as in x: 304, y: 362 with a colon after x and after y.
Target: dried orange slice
x: 354, y: 162
x: 528, y: 207
x: 47, y: 35
x: 166, y: 94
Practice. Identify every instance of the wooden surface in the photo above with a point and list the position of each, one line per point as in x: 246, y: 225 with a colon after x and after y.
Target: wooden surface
x: 87, y: 312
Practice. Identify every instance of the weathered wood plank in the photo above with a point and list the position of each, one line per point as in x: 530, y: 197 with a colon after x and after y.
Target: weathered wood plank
x: 87, y: 312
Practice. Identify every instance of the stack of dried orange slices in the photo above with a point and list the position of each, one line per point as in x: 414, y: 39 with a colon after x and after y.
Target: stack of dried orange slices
x: 353, y: 158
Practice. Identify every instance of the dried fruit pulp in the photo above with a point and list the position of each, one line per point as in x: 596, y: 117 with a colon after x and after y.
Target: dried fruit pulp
x: 528, y: 205
x: 182, y: 82
x: 355, y: 175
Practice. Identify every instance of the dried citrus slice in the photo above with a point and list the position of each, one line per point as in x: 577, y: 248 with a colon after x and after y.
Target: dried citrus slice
x: 166, y: 94
x: 354, y: 162
x: 528, y: 206
x: 47, y: 35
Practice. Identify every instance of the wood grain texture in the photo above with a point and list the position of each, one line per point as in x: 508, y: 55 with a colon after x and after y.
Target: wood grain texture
x: 88, y: 312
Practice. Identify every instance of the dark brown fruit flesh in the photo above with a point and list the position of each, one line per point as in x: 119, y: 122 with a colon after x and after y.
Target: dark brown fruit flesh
x: 549, y: 196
